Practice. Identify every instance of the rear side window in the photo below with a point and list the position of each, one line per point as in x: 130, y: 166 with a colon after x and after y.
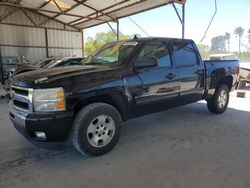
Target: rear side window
x: 158, y: 51
x: 184, y: 54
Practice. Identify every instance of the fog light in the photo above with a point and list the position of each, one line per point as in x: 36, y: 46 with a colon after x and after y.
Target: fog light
x: 40, y: 135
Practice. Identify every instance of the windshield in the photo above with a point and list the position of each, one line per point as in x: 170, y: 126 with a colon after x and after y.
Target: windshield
x: 112, y: 54
x: 35, y: 63
x: 56, y: 61
x: 64, y: 62
x: 43, y: 63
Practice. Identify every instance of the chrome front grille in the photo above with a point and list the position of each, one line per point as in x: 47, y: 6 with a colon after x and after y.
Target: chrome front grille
x: 19, y: 91
x: 22, y: 98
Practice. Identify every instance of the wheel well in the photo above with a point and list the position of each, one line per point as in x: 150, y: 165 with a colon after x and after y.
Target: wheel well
x: 116, y: 101
x: 228, y: 80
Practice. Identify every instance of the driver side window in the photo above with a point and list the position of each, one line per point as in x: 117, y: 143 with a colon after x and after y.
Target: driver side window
x: 157, y: 51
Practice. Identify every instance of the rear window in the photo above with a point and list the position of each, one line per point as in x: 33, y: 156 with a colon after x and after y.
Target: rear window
x: 184, y: 54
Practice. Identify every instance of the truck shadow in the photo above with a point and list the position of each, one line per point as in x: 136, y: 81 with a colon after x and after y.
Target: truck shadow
x: 186, y: 118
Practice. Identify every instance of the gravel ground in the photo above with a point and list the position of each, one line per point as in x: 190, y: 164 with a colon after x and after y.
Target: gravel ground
x: 185, y: 147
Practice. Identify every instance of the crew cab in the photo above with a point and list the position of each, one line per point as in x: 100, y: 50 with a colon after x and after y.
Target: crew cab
x: 85, y: 105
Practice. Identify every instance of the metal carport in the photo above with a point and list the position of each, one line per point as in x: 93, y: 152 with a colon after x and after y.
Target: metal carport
x: 44, y: 28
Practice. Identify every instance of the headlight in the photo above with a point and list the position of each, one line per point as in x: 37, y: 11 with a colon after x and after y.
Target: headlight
x: 49, y: 99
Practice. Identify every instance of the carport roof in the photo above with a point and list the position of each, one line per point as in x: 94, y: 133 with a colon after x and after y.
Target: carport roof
x: 83, y: 14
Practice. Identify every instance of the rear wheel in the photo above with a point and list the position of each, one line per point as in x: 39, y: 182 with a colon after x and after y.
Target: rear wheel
x: 96, y: 129
x: 219, y: 102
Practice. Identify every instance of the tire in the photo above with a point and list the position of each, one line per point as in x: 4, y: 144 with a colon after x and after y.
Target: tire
x: 96, y: 129
x: 219, y: 102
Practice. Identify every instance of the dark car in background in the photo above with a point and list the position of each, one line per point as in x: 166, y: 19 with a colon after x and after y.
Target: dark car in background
x: 41, y: 64
x: 47, y: 64
x: 64, y: 62
x: 23, y: 67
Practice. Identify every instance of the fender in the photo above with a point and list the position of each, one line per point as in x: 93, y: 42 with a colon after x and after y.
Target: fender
x: 115, y: 96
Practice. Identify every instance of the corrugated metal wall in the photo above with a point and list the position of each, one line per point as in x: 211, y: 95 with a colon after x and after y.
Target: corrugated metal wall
x: 69, y: 46
x: 70, y: 39
x: 19, y: 37
x: 31, y: 54
x: 23, y: 36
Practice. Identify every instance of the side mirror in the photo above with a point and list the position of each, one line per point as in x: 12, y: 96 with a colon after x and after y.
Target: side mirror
x: 147, y: 62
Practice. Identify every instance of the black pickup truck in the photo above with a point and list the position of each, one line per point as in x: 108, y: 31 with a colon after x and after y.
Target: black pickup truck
x: 85, y: 105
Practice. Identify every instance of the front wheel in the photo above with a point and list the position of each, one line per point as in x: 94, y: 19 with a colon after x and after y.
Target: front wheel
x: 96, y: 129
x: 219, y: 102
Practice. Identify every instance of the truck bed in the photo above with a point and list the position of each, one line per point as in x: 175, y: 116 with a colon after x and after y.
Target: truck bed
x: 227, y: 65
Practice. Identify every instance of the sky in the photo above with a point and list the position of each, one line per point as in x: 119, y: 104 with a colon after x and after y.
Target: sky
x: 163, y: 21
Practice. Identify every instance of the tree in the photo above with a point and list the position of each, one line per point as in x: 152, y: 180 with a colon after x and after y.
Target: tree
x: 227, y: 38
x: 248, y: 36
x: 239, y: 31
x: 203, y: 50
x: 100, y: 39
x: 218, y: 43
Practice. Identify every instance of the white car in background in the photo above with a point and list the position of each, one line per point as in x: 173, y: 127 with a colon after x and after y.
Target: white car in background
x: 223, y: 57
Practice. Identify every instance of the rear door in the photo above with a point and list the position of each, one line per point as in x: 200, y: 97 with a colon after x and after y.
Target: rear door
x: 159, y: 89
x: 190, y: 70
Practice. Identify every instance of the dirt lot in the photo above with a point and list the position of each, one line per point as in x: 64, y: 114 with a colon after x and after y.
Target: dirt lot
x: 185, y: 147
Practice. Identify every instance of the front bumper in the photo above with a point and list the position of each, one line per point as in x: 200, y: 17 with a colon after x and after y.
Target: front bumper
x: 56, y: 126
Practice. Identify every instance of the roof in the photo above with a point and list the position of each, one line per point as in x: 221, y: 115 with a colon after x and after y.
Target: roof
x: 82, y: 14
x: 149, y: 39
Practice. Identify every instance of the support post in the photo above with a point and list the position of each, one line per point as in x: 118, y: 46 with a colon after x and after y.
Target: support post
x: 118, y: 31
x: 1, y: 66
x: 82, y: 37
x: 46, y: 43
x: 183, y: 21
x: 112, y: 29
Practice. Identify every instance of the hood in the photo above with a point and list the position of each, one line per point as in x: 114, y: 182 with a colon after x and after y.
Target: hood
x: 23, y: 69
x: 24, y: 66
x: 39, y: 76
